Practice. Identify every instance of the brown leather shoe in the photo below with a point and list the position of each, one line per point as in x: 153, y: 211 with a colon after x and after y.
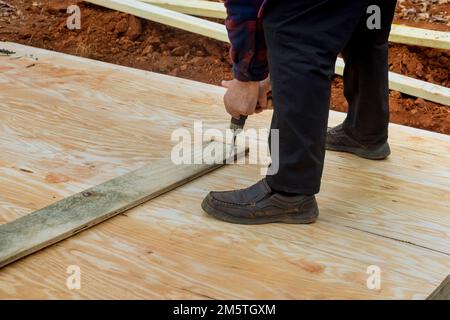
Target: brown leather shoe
x: 258, y: 205
x: 338, y: 140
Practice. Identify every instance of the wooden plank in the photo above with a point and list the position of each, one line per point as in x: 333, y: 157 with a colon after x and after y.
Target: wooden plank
x: 420, y: 37
x: 69, y: 123
x: 442, y: 292
x: 81, y: 211
x: 410, y: 86
x: 199, y: 8
x: 399, y: 33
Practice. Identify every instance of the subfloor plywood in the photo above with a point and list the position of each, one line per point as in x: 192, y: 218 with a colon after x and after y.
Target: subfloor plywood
x: 68, y: 123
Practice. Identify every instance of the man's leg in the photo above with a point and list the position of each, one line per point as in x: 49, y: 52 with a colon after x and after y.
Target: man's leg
x: 304, y: 38
x: 366, y: 88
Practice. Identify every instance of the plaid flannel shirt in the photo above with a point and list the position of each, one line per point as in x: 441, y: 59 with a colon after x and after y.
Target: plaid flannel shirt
x: 248, y: 47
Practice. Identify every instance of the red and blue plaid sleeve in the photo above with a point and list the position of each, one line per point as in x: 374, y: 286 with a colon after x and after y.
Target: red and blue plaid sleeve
x: 248, y: 47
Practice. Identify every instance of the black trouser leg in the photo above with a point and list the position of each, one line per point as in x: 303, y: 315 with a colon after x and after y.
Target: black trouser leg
x: 304, y: 38
x: 366, y: 84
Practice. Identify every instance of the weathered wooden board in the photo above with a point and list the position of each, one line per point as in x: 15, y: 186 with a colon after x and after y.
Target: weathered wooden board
x: 67, y: 124
x: 199, y: 8
x: 92, y: 206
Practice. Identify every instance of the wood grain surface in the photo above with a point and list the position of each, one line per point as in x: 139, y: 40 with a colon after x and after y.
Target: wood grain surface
x: 67, y: 124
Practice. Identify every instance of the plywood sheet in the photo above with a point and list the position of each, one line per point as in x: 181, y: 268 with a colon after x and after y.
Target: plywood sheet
x: 68, y: 123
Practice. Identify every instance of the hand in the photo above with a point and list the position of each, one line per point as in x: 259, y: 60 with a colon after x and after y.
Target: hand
x: 241, y: 97
x: 265, y: 86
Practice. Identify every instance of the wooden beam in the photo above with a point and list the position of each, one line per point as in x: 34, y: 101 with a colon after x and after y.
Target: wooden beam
x: 199, y: 8
x: 442, y: 292
x: 420, y: 37
x: 81, y: 211
x: 410, y: 86
x: 399, y: 33
x: 167, y: 17
x: 407, y: 85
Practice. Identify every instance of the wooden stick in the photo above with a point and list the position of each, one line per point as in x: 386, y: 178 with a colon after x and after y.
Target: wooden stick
x: 74, y: 214
x: 199, y: 8
x: 399, y: 33
x: 420, y: 37
x: 407, y: 85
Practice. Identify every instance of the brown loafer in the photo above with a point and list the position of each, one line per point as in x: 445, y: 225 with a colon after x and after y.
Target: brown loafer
x: 258, y: 205
x: 338, y: 140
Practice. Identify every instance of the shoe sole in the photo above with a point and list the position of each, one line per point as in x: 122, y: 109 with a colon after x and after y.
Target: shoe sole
x: 304, y: 218
x: 380, y: 153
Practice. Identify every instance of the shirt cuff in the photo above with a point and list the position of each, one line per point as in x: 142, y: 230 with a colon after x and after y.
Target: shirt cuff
x: 254, y: 74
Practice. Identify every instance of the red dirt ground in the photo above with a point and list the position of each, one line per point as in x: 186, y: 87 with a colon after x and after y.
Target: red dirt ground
x: 123, y: 39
